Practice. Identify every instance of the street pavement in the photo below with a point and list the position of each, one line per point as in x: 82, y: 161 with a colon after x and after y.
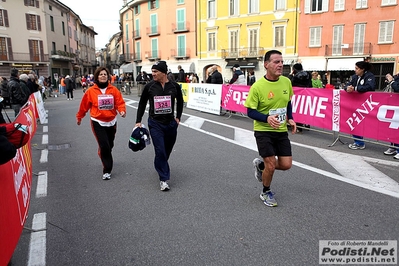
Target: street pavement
x: 212, y: 215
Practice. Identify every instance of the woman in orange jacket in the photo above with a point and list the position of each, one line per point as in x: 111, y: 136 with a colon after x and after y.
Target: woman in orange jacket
x: 104, y: 102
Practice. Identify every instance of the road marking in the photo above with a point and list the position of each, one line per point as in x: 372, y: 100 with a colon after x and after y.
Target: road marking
x: 41, y: 189
x: 364, y: 175
x: 45, y: 139
x: 45, y: 129
x: 44, y: 156
x: 37, y: 245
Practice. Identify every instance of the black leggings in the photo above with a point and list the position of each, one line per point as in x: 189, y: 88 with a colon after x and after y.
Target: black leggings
x: 105, y: 137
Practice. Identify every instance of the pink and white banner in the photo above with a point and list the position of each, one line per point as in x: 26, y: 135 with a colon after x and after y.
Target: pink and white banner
x: 373, y: 115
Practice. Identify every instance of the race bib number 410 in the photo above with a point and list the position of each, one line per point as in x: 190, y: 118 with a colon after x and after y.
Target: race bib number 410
x: 280, y: 112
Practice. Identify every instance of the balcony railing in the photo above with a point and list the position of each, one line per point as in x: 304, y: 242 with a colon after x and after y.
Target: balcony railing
x: 153, y: 31
x: 136, y: 34
x: 137, y: 58
x: 153, y: 55
x: 62, y: 55
x: 180, y: 53
x: 24, y: 57
x: 349, y: 49
x: 247, y: 52
x: 183, y: 26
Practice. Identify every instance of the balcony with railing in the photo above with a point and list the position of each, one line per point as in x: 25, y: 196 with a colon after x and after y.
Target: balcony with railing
x: 246, y: 52
x: 24, y: 57
x: 153, y: 31
x: 179, y: 27
x: 153, y: 55
x: 180, y: 53
x: 349, y: 49
x: 62, y: 55
x: 137, y: 57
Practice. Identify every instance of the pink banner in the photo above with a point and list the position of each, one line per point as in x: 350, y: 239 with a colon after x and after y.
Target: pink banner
x: 233, y: 97
x: 15, y: 187
x: 374, y: 115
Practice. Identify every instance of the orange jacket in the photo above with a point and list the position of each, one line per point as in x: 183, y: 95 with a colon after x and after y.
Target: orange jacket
x: 63, y: 82
x: 90, y: 101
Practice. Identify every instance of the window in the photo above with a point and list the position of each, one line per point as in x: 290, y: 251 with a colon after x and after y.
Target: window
x: 5, y: 49
x: 36, y: 50
x: 233, y: 43
x: 3, y: 18
x: 337, y: 40
x: 65, y: 48
x: 279, y: 39
x: 70, y: 32
x: 211, y: 9
x: 279, y: 4
x: 68, y: 17
x: 137, y: 27
x: 154, y: 48
x: 181, y: 19
x: 127, y: 32
x: 361, y: 3
x: 386, y: 32
x: 315, y: 37
x: 34, y: 3
x: 234, y: 7
x: 33, y: 22
x: 253, y: 42
x: 138, y: 51
x: 181, y: 46
x: 127, y: 16
x: 127, y: 58
x: 63, y: 28
x: 388, y: 2
x: 53, y: 47
x: 153, y: 4
x: 51, y: 23
x: 154, y: 24
x: 50, y: 7
x: 211, y: 42
x: 180, y: 2
x: 137, y: 10
x: 358, y: 47
x: 339, y: 5
x: 316, y: 6
x: 253, y: 6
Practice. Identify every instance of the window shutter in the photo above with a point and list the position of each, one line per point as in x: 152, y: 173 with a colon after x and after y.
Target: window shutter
x: 30, y: 43
x: 149, y: 4
x: 307, y: 6
x: 5, y: 15
x: 157, y: 4
x: 10, y: 53
x: 325, y: 6
x: 39, y: 25
x: 27, y: 21
x: 41, y: 51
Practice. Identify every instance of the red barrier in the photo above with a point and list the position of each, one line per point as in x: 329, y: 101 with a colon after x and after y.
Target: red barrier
x: 15, y: 187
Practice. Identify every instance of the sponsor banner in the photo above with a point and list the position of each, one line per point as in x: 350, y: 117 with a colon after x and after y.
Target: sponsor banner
x: 204, y: 97
x: 184, y: 90
x: 234, y: 96
x: 15, y: 187
x: 313, y: 107
x: 372, y: 115
x: 40, y: 107
x: 341, y: 252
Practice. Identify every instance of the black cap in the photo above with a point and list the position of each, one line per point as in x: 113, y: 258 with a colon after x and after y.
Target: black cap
x: 160, y: 66
x: 236, y: 65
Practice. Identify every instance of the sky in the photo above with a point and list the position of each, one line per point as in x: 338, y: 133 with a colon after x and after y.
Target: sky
x: 102, y: 15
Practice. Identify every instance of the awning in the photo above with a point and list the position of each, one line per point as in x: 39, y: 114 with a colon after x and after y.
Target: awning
x: 314, y: 64
x: 243, y: 63
x: 126, y: 68
x: 338, y: 64
x: 188, y: 67
x: 288, y: 61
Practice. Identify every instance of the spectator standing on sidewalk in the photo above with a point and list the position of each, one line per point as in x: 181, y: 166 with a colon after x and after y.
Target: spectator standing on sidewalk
x: 362, y: 81
x: 393, y: 82
x: 104, y: 101
x: 181, y: 77
x: 163, y: 96
x: 269, y: 105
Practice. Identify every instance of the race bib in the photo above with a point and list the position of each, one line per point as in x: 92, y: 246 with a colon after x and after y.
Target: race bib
x: 162, y: 104
x: 105, y: 102
x: 281, y: 112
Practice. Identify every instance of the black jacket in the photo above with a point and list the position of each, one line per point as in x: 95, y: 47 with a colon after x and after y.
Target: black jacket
x: 216, y: 78
x: 16, y: 94
x: 181, y: 77
x: 363, y: 83
x: 301, y: 79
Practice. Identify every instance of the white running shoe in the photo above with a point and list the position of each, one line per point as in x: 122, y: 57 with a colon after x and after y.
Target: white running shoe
x: 390, y: 151
x: 106, y: 176
x: 258, y: 172
x: 164, y: 186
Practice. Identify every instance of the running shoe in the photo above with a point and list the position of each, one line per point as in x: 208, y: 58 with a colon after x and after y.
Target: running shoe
x: 396, y: 156
x: 268, y: 198
x: 258, y: 172
x: 390, y: 151
x: 106, y: 176
x: 164, y: 186
x: 356, y: 146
